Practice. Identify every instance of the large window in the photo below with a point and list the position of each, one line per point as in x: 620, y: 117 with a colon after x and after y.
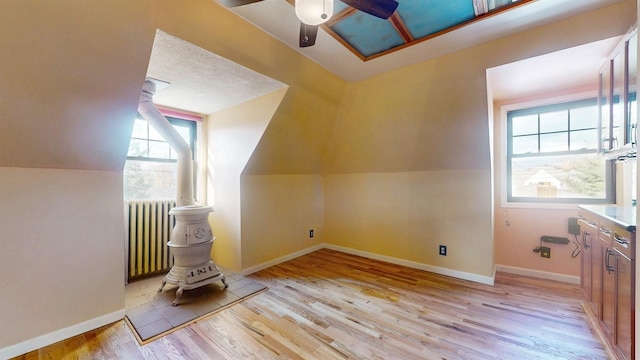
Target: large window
x: 150, y: 170
x: 552, y: 155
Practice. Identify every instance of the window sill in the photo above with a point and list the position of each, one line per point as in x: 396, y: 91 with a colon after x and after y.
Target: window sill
x: 547, y: 206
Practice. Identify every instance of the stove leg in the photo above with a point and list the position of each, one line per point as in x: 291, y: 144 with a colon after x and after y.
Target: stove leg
x: 224, y: 282
x: 178, y: 296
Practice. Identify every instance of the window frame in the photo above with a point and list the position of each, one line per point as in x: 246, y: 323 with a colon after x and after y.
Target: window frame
x: 193, y: 131
x: 192, y: 125
x: 545, y: 106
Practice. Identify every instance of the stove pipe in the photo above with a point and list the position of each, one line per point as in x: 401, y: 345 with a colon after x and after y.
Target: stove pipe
x: 149, y: 112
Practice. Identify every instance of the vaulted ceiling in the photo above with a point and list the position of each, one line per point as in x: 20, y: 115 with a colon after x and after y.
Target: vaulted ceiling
x: 355, y: 45
x: 368, y: 37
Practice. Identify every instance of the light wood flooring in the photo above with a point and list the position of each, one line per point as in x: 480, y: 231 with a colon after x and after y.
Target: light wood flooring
x: 332, y: 305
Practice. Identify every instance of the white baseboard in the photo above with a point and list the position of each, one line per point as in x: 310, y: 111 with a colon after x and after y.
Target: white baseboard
x: 539, y: 274
x: 280, y: 260
x: 59, y: 335
x: 416, y: 265
x: 412, y: 264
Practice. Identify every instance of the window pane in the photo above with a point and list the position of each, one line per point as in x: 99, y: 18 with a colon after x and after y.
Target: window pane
x: 554, y: 142
x: 584, y: 139
x: 525, y: 144
x: 144, y: 180
x: 155, y: 135
x: 159, y: 150
x: 138, y: 148
x: 185, y: 133
x: 139, y: 129
x: 577, y: 176
x: 524, y: 125
x: 554, y: 121
x: 584, y: 118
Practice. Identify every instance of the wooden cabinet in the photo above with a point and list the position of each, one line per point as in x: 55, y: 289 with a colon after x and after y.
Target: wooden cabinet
x: 624, y: 267
x: 588, y: 231
x: 608, y: 279
x: 607, y: 307
x: 596, y: 275
x: 617, y: 98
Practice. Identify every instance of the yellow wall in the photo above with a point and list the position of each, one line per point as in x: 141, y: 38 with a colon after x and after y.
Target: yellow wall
x: 232, y: 136
x: 277, y: 213
x: 407, y: 215
x: 62, y: 251
x: 75, y: 69
x: 409, y: 166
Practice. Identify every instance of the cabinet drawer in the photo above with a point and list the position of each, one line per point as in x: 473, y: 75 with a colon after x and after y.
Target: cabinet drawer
x: 624, y: 242
x: 586, y: 221
x: 605, y: 231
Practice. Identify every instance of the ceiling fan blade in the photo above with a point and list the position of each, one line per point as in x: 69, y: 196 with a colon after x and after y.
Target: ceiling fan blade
x: 234, y: 3
x: 379, y: 8
x: 308, y: 34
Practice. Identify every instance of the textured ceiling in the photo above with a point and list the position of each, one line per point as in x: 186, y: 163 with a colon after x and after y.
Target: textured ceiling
x: 201, y: 81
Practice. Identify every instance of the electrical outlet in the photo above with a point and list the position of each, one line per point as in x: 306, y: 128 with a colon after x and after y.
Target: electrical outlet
x: 311, y: 233
x: 545, y: 252
x: 443, y: 250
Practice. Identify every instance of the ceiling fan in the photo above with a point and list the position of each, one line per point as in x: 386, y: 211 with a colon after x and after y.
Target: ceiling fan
x: 309, y: 29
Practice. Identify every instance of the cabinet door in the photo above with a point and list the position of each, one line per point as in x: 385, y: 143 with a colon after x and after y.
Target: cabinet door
x: 596, y: 276
x: 624, y: 305
x: 618, y: 101
x: 632, y: 72
x: 586, y: 262
x: 604, y: 103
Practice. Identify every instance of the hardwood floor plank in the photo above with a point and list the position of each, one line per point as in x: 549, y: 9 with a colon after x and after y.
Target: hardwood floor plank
x: 332, y: 305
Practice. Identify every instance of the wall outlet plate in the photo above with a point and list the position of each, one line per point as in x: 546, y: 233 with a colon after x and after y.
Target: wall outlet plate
x: 443, y: 250
x: 545, y: 252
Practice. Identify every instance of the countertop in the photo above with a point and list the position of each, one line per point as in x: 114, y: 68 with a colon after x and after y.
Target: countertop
x: 624, y: 216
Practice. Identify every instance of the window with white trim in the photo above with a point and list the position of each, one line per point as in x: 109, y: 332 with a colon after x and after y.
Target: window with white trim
x: 553, y: 157
x: 150, y: 170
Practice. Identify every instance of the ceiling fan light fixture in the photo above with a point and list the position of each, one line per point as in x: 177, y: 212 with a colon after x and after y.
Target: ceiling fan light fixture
x: 314, y: 12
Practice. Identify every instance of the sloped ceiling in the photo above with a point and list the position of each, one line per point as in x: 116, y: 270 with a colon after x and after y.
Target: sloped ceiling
x: 277, y: 17
x: 71, y: 76
x: 66, y: 100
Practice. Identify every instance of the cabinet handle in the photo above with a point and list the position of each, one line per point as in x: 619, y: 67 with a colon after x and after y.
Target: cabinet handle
x: 584, y: 239
x: 588, y: 222
x: 622, y: 241
x: 610, y: 268
x: 605, y: 231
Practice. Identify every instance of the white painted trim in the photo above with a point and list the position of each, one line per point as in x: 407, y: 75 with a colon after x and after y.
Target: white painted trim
x: 59, y: 335
x: 539, y: 274
x: 264, y: 265
x: 416, y: 265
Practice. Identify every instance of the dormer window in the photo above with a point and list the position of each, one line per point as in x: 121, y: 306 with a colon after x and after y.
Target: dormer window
x: 553, y: 157
x: 150, y: 170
